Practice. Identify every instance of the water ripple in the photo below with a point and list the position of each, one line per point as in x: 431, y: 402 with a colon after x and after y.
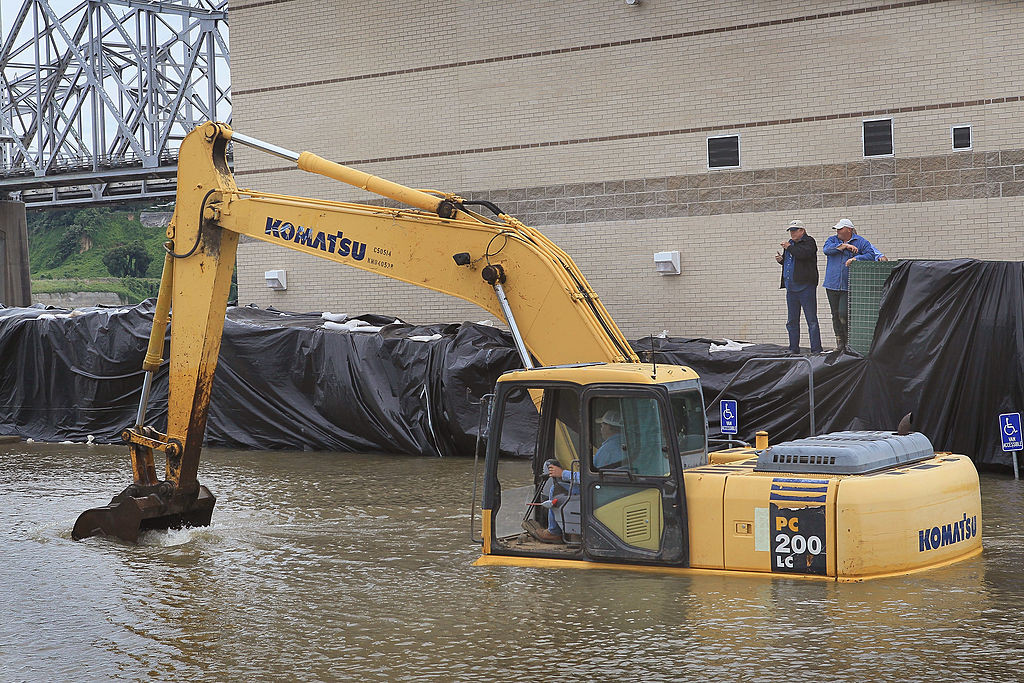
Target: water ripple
x: 323, y: 566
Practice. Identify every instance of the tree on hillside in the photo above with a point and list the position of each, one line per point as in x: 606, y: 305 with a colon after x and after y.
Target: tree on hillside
x: 70, y: 243
x: 127, y: 260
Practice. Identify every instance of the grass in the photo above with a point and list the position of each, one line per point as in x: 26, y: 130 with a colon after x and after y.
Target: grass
x: 66, y: 243
x: 67, y: 246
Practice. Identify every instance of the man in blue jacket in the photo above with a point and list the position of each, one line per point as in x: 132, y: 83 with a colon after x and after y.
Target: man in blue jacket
x: 842, y: 249
x: 799, y: 259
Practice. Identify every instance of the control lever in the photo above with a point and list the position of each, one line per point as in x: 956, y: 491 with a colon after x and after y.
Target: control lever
x: 551, y: 502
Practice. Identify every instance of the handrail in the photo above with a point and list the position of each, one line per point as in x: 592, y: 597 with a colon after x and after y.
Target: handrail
x: 810, y: 381
x: 729, y: 442
x: 482, y: 424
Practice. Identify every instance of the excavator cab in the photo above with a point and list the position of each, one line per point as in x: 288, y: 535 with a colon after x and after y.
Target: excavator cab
x: 618, y: 437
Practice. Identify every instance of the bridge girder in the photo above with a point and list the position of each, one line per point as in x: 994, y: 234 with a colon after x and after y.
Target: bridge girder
x: 95, y: 101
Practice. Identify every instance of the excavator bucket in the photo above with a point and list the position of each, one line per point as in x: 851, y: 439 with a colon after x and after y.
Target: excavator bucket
x: 140, y: 508
x: 149, y: 503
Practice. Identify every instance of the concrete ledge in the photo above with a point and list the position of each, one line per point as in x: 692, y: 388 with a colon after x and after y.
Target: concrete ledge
x: 78, y: 299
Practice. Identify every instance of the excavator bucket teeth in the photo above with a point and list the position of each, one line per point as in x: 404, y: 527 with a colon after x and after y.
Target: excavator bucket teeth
x: 137, y: 509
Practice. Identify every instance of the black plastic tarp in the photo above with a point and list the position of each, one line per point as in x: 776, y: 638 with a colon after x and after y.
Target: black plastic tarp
x: 949, y: 347
x: 282, y: 380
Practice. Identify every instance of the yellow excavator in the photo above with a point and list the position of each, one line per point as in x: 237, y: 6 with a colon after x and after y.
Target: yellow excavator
x: 619, y: 474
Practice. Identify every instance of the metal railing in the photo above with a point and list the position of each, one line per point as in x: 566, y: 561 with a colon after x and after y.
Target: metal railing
x: 769, y: 359
x: 102, y: 93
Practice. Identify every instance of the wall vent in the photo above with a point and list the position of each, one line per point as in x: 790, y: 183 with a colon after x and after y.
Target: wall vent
x: 961, y: 137
x: 877, y: 138
x: 724, y: 151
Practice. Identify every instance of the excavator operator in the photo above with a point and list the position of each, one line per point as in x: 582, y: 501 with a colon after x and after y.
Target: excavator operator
x: 608, y: 455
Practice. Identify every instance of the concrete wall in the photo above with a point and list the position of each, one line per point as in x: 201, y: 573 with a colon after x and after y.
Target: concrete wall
x: 78, y: 299
x: 15, y: 285
x: 590, y: 119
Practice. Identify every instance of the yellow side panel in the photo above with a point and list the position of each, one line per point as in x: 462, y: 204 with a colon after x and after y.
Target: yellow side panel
x: 927, y: 515
x: 742, y: 496
x: 704, y: 494
x: 635, y: 518
x: 751, y: 528
x: 731, y: 455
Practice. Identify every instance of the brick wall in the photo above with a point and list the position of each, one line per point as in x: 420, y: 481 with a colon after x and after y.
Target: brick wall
x: 592, y: 120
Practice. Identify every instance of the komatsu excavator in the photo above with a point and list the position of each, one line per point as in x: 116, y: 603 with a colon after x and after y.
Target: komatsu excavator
x: 619, y: 474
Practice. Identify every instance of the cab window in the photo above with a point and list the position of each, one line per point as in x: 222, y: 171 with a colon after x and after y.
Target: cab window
x: 628, y: 434
x: 688, y: 417
x: 532, y: 441
x: 564, y: 404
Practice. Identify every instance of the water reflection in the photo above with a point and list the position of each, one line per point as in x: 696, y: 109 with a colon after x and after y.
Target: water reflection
x: 333, y: 566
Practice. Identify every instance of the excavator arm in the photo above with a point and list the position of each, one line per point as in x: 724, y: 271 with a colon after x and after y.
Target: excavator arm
x: 508, y: 269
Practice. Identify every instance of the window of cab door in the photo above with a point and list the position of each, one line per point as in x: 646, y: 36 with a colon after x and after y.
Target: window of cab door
x: 641, y: 442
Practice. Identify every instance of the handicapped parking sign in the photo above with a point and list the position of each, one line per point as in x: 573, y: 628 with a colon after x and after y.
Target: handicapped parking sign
x: 1009, y: 429
x: 730, y: 419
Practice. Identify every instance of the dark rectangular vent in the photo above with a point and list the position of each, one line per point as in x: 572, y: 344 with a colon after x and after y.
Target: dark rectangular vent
x: 803, y: 459
x: 724, y: 151
x: 961, y: 137
x: 878, y: 138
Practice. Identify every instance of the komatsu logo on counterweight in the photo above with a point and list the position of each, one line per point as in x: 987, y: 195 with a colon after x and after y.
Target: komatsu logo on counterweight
x: 333, y: 244
x: 948, y: 534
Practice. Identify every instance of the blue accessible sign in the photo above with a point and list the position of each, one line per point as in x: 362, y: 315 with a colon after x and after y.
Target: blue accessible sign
x: 1009, y: 429
x: 730, y: 420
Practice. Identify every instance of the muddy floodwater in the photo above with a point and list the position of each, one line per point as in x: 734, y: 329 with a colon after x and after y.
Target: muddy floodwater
x: 330, y: 566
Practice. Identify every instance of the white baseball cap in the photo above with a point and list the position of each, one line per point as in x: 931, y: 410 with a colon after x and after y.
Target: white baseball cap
x: 796, y: 224
x: 843, y: 223
x: 611, y: 418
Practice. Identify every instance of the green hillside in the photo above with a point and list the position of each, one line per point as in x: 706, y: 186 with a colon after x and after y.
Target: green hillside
x: 67, y: 249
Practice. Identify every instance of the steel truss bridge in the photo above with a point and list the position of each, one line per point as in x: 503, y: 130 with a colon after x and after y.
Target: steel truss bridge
x: 95, y: 101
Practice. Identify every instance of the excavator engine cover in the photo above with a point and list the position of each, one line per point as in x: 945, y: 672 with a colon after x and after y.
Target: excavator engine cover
x: 140, y: 508
x: 855, y: 452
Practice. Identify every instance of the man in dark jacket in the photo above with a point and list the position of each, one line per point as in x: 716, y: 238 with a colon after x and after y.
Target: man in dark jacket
x: 799, y: 259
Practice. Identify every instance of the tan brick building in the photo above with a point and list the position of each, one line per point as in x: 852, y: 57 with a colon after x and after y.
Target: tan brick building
x: 591, y: 119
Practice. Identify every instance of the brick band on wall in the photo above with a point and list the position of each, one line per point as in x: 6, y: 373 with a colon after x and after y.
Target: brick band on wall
x: 959, y: 175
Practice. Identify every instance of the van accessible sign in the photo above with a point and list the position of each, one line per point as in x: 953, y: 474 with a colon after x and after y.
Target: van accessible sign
x: 1009, y: 429
x: 729, y: 420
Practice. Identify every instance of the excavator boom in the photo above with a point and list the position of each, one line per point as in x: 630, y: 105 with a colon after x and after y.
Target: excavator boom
x: 503, y: 266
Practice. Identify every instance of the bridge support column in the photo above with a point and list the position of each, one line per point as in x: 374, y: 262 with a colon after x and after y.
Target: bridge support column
x: 15, y: 286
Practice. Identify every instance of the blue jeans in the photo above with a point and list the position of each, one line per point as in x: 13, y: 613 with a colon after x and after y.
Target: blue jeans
x: 838, y: 301
x: 806, y: 299
x: 553, y: 525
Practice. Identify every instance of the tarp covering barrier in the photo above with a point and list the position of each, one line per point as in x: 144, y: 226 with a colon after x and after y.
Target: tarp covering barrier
x: 948, y: 346
x: 282, y: 381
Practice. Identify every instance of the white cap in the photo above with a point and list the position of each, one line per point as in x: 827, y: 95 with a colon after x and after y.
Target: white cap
x: 796, y: 224
x: 843, y: 223
x: 611, y: 418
